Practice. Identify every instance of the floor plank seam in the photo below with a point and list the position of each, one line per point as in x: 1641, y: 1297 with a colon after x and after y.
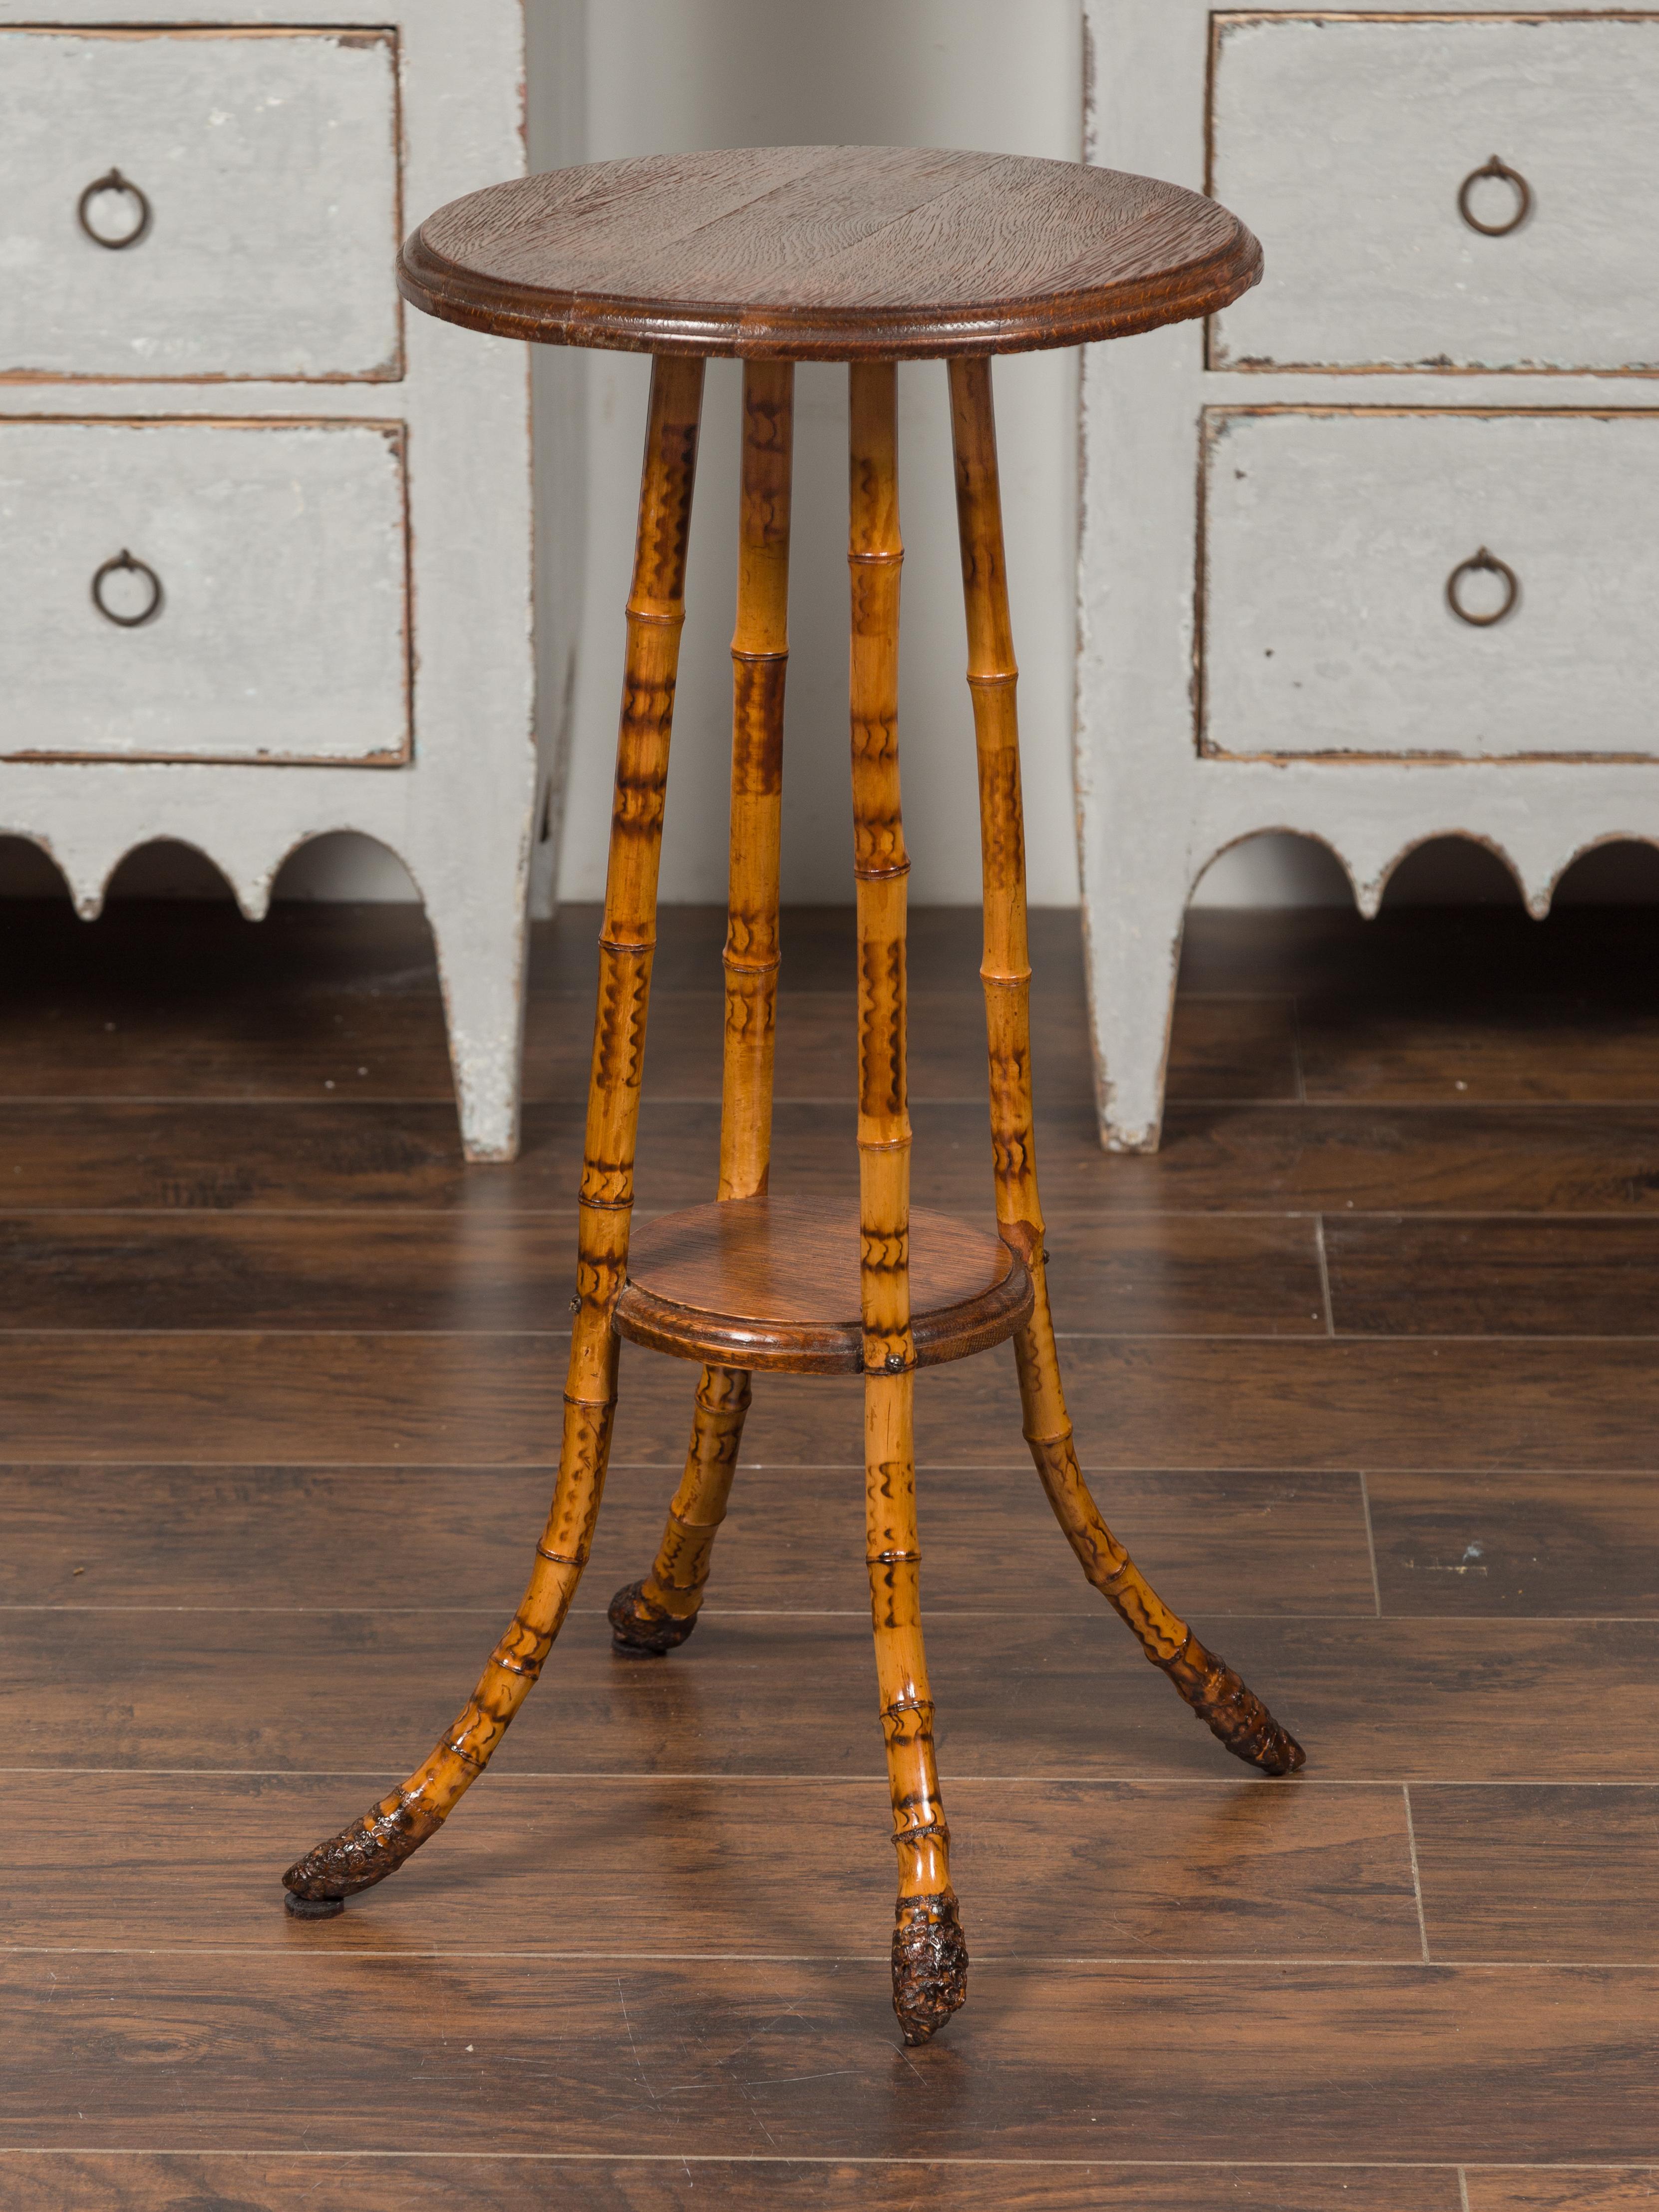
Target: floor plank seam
x: 1324, y: 1274
x: 1370, y: 1546
x: 1417, y: 1878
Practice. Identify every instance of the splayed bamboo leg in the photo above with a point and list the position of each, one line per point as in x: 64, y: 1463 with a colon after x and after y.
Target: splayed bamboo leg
x: 1215, y: 1693
x: 930, y: 1957
x: 379, y: 1843
x: 655, y: 1615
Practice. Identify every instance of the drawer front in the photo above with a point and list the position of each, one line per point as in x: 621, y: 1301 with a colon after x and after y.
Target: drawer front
x: 1344, y: 142
x: 279, y: 554
x: 268, y: 160
x: 1329, y: 541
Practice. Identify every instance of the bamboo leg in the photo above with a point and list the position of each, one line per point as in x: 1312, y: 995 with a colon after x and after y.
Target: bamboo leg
x: 930, y: 1957
x: 655, y: 1615
x: 1215, y: 1693
x: 652, y: 1616
x: 379, y: 1843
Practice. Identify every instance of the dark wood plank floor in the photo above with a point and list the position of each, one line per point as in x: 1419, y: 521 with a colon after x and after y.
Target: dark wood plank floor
x: 1365, y: 1362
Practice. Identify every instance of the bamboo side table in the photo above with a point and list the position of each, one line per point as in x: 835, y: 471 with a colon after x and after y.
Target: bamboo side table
x: 867, y: 255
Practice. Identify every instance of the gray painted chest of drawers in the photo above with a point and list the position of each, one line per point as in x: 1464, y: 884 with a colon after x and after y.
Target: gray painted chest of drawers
x: 266, y: 543
x: 1371, y: 558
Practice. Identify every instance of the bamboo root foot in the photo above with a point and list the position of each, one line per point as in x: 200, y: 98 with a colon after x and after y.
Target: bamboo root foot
x: 930, y: 1965
x: 362, y: 1855
x: 1231, y: 1711
x: 642, y: 1629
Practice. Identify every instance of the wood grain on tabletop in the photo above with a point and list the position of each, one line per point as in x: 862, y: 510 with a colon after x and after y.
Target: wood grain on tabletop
x: 827, y: 252
x: 787, y: 1272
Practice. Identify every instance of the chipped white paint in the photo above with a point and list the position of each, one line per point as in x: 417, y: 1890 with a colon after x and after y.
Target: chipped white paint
x: 1153, y: 810
x: 461, y: 813
x: 281, y: 554
x: 1347, y: 139
x: 1343, y: 641
x: 270, y: 163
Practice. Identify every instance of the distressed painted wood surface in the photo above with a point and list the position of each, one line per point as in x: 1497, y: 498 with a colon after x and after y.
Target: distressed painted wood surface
x: 462, y: 814
x: 1345, y: 141
x: 1154, y: 809
x: 827, y: 253
x: 270, y: 161
x: 1344, y: 642
x: 280, y: 552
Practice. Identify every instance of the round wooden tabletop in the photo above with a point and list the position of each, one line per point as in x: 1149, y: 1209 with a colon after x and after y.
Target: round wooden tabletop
x: 828, y: 253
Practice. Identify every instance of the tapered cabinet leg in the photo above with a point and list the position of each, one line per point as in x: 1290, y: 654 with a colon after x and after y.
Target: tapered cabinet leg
x: 930, y: 1955
x: 1215, y: 1693
x: 373, y: 1846
x: 652, y: 1616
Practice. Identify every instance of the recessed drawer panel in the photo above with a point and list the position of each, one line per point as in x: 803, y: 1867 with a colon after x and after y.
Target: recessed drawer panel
x: 1353, y: 146
x: 1340, y: 545
x: 245, y: 186
x: 203, y: 590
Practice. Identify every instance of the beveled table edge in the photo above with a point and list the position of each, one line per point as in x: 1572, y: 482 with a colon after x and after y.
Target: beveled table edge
x: 429, y: 281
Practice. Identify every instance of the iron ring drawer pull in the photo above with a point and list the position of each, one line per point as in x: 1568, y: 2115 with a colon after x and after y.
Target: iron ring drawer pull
x: 1507, y: 175
x: 114, y: 182
x: 1492, y: 565
x: 125, y: 560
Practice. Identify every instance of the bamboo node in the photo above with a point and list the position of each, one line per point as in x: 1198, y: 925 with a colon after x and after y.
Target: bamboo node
x: 1003, y: 678
x: 892, y: 1558
x: 650, y: 615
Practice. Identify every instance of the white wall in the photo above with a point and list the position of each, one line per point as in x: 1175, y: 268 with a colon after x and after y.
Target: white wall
x: 672, y: 76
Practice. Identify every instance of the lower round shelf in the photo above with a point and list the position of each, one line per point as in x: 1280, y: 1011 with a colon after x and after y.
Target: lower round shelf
x: 774, y: 1282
